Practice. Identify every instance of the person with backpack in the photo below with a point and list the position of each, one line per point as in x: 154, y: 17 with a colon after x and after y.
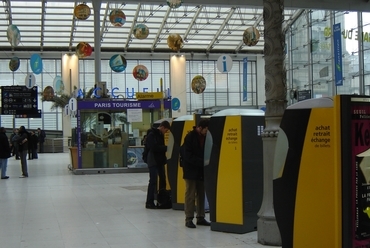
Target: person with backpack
x: 193, y: 173
x: 156, y: 159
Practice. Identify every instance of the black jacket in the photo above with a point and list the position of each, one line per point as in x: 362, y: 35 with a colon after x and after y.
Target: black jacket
x: 4, y: 146
x: 193, y: 161
x: 157, y: 148
x: 22, y: 140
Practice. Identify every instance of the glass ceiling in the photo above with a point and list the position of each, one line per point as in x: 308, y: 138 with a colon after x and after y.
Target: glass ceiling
x: 51, y: 26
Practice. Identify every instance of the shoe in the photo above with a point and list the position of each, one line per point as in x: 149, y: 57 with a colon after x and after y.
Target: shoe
x: 23, y: 176
x: 203, y: 222
x: 190, y: 224
x: 150, y: 206
x: 6, y: 177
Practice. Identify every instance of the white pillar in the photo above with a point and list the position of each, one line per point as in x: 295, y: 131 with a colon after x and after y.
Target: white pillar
x: 70, y: 72
x: 178, y: 83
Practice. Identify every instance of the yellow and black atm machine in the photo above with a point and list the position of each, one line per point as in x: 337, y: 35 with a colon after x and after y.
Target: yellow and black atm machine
x: 321, y: 185
x: 179, y: 128
x: 233, y: 172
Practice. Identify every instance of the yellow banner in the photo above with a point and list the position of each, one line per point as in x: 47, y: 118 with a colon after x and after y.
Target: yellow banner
x: 149, y: 95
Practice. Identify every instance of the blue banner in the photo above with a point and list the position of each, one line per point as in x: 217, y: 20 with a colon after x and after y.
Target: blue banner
x: 338, y: 54
x: 245, y: 77
x: 115, y: 104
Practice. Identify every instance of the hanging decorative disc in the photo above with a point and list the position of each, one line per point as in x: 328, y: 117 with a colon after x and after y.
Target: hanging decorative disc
x: 251, y: 36
x: 117, y: 17
x: 13, y: 35
x: 48, y: 93
x: 83, y: 50
x: 58, y: 85
x: 14, y: 63
x: 174, y: 4
x: 175, y: 42
x: 36, y: 63
x: 140, y: 72
x: 117, y: 63
x: 82, y: 11
x: 198, y: 84
x: 141, y: 31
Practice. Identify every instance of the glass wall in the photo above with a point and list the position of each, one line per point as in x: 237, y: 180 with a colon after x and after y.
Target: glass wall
x: 226, y: 88
x: 310, y: 53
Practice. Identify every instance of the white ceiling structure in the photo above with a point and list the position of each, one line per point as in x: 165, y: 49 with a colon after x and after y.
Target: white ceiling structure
x: 207, y: 26
x: 52, y: 26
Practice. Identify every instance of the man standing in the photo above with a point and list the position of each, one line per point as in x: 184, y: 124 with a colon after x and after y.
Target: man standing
x: 156, y: 161
x: 193, y: 173
x: 41, y: 136
x: 14, y: 145
x: 22, y: 140
x: 4, y: 152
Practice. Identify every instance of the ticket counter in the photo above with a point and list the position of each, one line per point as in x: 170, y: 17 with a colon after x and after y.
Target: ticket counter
x: 105, y: 132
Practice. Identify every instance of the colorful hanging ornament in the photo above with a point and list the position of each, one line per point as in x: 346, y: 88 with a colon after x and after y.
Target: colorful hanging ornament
x: 13, y: 35
x: 83, y: 50
x: 198, y: 84
x: 141, y: 31
x: 140, y: 72
x: 251, y: 36
x: 175, y: 42
x: 117, y: 63
x: 82, y: 11
x: 117, y: 18
x: 14, y: 63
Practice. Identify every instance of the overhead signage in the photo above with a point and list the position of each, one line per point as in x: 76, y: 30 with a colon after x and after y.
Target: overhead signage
x: 19, y: 100
x: 149, y: 95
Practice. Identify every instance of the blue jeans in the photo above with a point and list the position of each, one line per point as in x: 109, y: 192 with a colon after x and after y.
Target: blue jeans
x: 154, y: 172
x: 3, y: 166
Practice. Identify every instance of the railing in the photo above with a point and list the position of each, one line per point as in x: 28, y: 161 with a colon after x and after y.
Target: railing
x: 56, y: 145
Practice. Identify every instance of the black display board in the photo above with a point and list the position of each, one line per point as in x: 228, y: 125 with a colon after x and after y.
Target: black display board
x: 19, y: 101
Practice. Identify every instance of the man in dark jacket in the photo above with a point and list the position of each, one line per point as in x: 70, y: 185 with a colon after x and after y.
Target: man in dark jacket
x: 193, y: 173
x: 22, y: 140
x: 41, y: 137
x: 156, y: 161
x: 4, y: 152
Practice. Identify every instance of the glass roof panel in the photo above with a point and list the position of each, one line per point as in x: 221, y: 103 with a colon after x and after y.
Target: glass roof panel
x: 203, y: 28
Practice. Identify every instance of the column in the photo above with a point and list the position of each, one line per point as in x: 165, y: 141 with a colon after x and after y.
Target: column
x: 178, y: 83
x: 275, y: 91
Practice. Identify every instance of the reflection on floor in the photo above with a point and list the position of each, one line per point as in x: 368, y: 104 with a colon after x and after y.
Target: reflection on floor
x: 55, y: 208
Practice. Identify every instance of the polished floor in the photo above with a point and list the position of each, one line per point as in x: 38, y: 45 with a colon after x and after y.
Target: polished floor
x: 54, y: 208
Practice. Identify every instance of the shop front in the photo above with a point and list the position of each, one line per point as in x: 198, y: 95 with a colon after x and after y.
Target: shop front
x: 109, y: 134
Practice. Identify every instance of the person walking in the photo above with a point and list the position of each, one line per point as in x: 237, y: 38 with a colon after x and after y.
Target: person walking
x: 156, y: 160
x: 4, y: 152
x: 22, y: 140
x: 193, y: 174
x: 41, y: 137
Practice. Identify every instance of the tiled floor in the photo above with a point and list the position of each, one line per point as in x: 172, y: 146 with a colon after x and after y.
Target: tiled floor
x: 54, y: 208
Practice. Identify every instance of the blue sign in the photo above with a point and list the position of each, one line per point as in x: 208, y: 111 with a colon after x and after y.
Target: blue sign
x: 36, y: 63
x: 245, y: 77
x: 119, y: 104
x: 175, y: 104
x: 338, y: 55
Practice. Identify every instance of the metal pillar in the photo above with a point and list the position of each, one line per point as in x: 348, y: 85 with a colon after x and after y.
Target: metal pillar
x: 97, y: 42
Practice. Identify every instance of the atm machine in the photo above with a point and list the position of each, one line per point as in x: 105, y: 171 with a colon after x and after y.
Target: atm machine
x: 233, y: 172
x: 321, y: 184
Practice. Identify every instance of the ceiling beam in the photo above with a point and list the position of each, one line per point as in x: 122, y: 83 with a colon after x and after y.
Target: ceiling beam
x: 104, y: 24
x: 8, y: 11
x: 164, y: 22
x: 129, y: 37
x: 73, y: 27
x: 215, y: 38
x: 43, y: 13
x: 193, y: 21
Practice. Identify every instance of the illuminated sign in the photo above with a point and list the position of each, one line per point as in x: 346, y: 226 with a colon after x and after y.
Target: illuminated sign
x: 149, y: 95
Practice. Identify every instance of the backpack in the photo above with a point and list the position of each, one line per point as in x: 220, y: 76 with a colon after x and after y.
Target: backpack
x: 164, y: 199
x: 145, y: 153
